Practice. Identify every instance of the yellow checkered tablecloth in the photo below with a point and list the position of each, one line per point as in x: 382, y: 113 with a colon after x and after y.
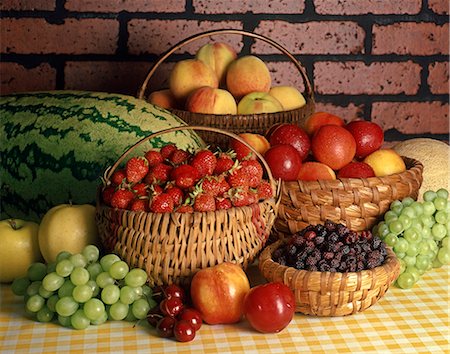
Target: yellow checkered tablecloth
x: 403, y: 321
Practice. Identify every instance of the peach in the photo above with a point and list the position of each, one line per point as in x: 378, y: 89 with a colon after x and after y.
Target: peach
x: 256, y: 141
x: 385, y: 162
x: 163, y: 98
x: 188, y: 75
x: 248, y: 74
x: 258, y: 102
x: 318, y: 119
x: 211, y: 100
x: 289, y: 97
x: 218, y: 56
x: 313, y: 171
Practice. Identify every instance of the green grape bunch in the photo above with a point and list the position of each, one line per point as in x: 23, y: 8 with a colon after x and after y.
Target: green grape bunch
x: 79, y: 290
x: 418, y: 232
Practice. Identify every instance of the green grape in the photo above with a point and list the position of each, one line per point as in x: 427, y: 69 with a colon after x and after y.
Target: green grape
x: 104, y: 279
x: 409, y: 260
x: 78, y: 260
x: 440, y: 203
x: 438, y: 231
x: 442, y: 193
x: 51, y: 302
x: 130, y: 316
x: 409, y: 211
x: 401, y: 246
x: 445, y: 242
x: 429, y: 196
x: 51, y: 267
x: 110, y: 294
x: 19, y: 286
x: 390, y: 216
x: 107, y: 260
x: 426, y: 232
x: 444, y: 255
x: 136, y: 277
x: 127, y: 295
x: 82, y: 293
x: 428, y: 208
x: 91, y: 253
x: 400, y: 255
x: 95, y: 288
x: 118, y: 311
x: 412, y: 235
x: 396, y: 227
x: 437, y: 263
x: 33, y: 288
x: 66, y: 306
x: 66, y: 289
x: 62, y: 255
x: 413, y: 250
x: 416, y: 224
x: 138, y: 291
x: 102, y: 319
x: 382, y: 230
x: 391, y: 239
x: 402, y: 266
x: 52, y: 281
x: 140, y: 308
x: 64, y: 268
x: 405, y: 220
x: 147, y: 291
x: 407, y: 201
x: 414, y: 272
x: 35, y: 303
x: 422, y: 262
x: 427, y: 220
x: 45, y: 293
x: 94, y: 269
x: 79, y: 320
x: 424, y: 248
x: 94, y: 309
x: 441, y: 217
x: 37, y: 271
x: 418, y: 208
x: 79, y: 276
x: 405, y: 280
x: 118, y: 270
x: 64, y: 321
x: 45, y: 314
x: 396, y: 207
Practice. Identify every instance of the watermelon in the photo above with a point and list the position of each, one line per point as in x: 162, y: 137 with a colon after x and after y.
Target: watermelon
x: 56, y: 145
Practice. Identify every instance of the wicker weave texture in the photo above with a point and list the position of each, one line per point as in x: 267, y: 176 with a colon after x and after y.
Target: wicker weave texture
x: 331, y: 293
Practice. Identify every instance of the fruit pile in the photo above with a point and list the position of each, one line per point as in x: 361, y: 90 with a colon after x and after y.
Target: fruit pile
x: 217, y: 81
x: 82, y: 289
x: 331, y: 247
x: 172, y: 179
x: 419, y: 234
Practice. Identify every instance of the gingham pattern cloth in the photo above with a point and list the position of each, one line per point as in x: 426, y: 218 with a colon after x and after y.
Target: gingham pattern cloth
x: 403, y: 321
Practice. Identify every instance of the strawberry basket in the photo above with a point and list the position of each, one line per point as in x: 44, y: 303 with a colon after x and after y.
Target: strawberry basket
x: 244, y: 123
x: 172, y: 246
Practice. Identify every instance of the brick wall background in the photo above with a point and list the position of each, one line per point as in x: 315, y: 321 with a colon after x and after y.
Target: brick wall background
x: 381, y: 60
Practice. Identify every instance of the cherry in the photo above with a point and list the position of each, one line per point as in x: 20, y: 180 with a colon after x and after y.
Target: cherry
x: 174, y: 290
x: 184, y: 331
x: 192, y: 316
x: 154, y: 315
x: 171, y: 306
x: 166, y: 326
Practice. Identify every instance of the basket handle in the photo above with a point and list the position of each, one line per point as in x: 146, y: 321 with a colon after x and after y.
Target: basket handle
x: 308, y: 86
x: 110, y: 170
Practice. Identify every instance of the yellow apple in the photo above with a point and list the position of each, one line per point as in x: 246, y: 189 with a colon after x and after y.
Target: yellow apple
x: 188, y: 75
x: 163, y: 98
x: 289, y: 97
x: 258, y: 102
x: 67, y: 227
x: 19, y: 248
x: 211, y: 100
x: 218, y: 56
x: 248, y: 74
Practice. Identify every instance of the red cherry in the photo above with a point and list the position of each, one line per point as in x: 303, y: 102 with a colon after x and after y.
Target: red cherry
x: 171, y: 307
x: 192, y: 316
x: 165, y: 327
x: 174, y: 290
x: 184, y: 331
x: 154, y: 315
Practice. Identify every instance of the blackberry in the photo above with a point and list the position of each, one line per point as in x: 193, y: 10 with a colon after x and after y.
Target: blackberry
x: 291, y: 249
x: 352, y: 267
x: 282, y: 260
x: 328, y: 255
x: 360, y: 266
x: 350, y: 238
x: 323, y: 266
x: 330, y: 225
x: 313, y: 268
x: 309, y: 246
x: 310, y: 235
x: 310, y: 261
x: 320, y: 229
x: 366, y: 234
x: 333, y: 237
x: 376, y: 242
x: 298, y: 240
x: 335, y: 263
x: 342, y: 230
x: 318, y: 240
x: 299, y: 265
x: 345, y: 249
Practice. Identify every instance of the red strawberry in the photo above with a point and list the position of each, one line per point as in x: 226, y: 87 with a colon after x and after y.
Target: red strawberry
x: 161, y: 203
x: 176, y: 193
x: 215, y: 185
x: 204, y: 202
x: 225, y: 161
x: 107, y: 194
x: 167, y: 150
x: 139, y: 204
x: 223, y: 203
x: 242, y: 197
x: 140, y: 189
x: 239, y: 177
x: 264, y: 190
x: 153, y: 157
x: 205, y: 162
x: 254, y: 170
x: 158, y: 174
x: 122, y: 198
x: 179, y: 156
x: 136, y: 169
x: 185, y: 208
x: 118, y: 176
x: 155, y: 189
x: 185, y: 176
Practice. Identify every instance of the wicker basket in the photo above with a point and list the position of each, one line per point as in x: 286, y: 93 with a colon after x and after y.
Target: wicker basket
x: 331, y: 293
x: 250, y: 123
x: 357, y: 203
x: 171, y: 247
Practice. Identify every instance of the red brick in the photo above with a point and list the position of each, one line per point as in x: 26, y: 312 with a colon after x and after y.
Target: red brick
x: 325, y: 37
x: 363, y: 7
x: 440, y: 7
x: 411, y: 38
x: 438, y: 78
x: 286, y: 73
x: 24, y: 5
x: 240, y: 7
x: 412, y: 117
x: 16, y: 78
x: 347, y: 113
x: 356, y: 78
x: 158, y: 36
x: 37, y: 36
x: 121, y: 5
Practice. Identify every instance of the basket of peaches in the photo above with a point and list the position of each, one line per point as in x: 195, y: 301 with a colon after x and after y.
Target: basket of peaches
x: 221, y: 86
x: 334, y: 170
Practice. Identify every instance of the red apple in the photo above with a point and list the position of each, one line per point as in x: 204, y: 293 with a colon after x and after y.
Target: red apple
x: 293, y: 135
x: 218, y: 293
x: 368, y: 136
x: 284, y: 162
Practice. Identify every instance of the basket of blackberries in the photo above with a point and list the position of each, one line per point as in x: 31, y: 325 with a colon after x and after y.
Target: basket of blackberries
x: 332, y: 270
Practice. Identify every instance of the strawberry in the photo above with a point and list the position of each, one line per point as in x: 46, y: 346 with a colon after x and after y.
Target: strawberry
x: 179, y: 156
x: 167, y: 150
x: 241, y: 197
x: 185, y: 208
x: 239, y: 177
x: 107, y: 193
x: 118, y: 176
x: 225, y: 160
x: 185, y: 176
x: 155, y: 189
x: 122, y: 198
x: 223, y: 203
x: 136, y: 169
x: 264, y: 190
x: 204, y: 202
x: 140, y: 189
x: 215, y: 185
x: 176, y: 193
x: 138, y: 204
x: 161, y: 203
x: 158, y: 174
x: 153, y: 157
x: 254, y: 170
x: 205, y: 162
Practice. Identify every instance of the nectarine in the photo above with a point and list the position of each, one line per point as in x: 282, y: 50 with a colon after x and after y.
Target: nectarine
x: 258, y: 102
x: 211, y: 100
x: 289, y: 97
x: 256, y: 141
x: 317, y: 119
x: 218, y: 56
x: 163, y: 98
x: 356, y: 169
x: 313, y: 171
x: 291, y: 134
